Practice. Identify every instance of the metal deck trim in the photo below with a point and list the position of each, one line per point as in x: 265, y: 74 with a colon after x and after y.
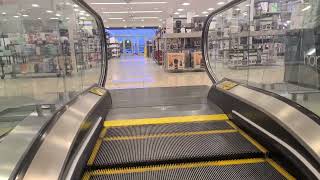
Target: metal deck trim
x: 165, y: 120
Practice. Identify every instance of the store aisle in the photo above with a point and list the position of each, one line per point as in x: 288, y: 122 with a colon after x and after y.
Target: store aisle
x: 140, y: 72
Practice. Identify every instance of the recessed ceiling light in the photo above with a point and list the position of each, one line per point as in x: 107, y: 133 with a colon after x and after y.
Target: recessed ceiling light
x: 25, y: 15
x: 16, y: 16
x: 67, y: 3
x: 145, y: 17
x: 49, y: 11
x: 204, y: 12
x: 54, y: 18
x: 180, y: 9
x: 76, y: 10
x: 39, y: 18
x: 210, y: 9
x: 82, y: 11
x: 87, y: 15
x: 127, y: 12
x: 182, y: 16
x: 3, y: 13
x: 248, y: 5
x: 124, y: 20
x: 237, y: 9
x: 124, y: 3
x: 176, y: 13
x: 58, y: 15
x: 306, y: 8
x: 185, y: 4
x: 75, y: 5
x: 35, y: 5
x: 115, y: 18
x: 220, y: 3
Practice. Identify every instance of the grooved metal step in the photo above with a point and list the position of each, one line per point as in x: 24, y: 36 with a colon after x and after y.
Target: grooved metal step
x: 245, y: 169
x: 174, y: 148
x: 166, y: 128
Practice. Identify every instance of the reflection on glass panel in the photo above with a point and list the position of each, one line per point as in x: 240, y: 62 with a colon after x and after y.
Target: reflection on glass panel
x: 270, y: 44
x: 50, y: 50
x: 228, y: 50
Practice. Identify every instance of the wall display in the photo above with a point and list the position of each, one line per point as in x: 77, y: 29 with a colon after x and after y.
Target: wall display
x: 176, y: 61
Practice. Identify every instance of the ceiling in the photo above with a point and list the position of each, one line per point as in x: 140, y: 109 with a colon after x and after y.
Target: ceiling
x: 139, y: 13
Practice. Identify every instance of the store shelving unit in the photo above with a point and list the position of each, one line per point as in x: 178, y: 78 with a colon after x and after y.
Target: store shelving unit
x: 115, y: 49
x: 182, y: 52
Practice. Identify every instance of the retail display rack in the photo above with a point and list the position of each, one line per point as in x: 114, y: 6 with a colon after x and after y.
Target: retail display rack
x: 182, y: 52
x: 238, y: 43
x: 115, y: 49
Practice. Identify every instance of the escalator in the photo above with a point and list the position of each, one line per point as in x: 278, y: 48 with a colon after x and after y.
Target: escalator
x: 231, y: 130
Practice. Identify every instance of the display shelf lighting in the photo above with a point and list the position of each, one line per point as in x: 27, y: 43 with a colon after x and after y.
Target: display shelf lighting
x: 127, y: 12
x: 185, y: 4
x: 221, y: 3
x: 35, y: 5
x: 125, y: 3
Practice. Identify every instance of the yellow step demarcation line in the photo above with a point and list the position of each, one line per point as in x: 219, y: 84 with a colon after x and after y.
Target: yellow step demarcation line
x: 283, y: 172
x: 171, y: 135
x: 250, y: 139
x: 165, y: 120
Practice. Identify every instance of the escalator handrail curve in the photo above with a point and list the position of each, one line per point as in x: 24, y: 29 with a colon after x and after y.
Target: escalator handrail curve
x: 102, y: 33
x: 205, y: 32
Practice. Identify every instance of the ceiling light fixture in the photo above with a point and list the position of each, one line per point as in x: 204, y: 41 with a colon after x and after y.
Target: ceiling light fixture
x: 176, y: 13
x: 49, y: 11
x: 115, y: 18
x: 220, y: 3
x: 306, y: 8
x: 145, y: 17
x: 25, y: 15
x: 185, y: 4
x: 35, y: 5
x: 39, y: 18
x: 127, y: 12
x: 3, y: 13
x: 210, y: 9
x: 196, y: 15
x: 75, y: 5
x: 180, y: 10
x: 124, y: 3
x: 54, y: 18
x: 204, y: 12
x: 58, y: 15
x: 16, y: 16
x: 124, y: 20
x: 76, y: 10
x: 182, y: 16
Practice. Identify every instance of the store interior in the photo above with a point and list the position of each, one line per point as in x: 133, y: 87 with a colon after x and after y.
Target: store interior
x: 186, y: 72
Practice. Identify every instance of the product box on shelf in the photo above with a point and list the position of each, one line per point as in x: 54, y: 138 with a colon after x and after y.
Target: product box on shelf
x: 196, y: 60
x: 176, y: 61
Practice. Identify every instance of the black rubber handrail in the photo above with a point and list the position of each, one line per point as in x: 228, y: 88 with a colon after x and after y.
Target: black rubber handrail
x: 205, y: 32
x: 102, y: 33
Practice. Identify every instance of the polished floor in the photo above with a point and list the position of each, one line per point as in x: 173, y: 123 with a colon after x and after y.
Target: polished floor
x: 140, y: 72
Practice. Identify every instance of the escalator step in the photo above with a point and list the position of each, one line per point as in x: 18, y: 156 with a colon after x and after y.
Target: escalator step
x: 167, y: 128
x: 245, y: 169
x: 174, y: 148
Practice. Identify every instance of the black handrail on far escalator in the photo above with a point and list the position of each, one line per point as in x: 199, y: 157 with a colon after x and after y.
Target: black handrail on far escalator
x: 205, y: 32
